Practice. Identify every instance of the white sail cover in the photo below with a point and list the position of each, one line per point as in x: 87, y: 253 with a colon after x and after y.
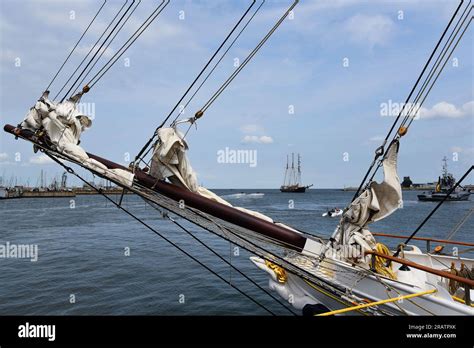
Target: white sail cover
x: 170, y: 161
x: 64, y: 125
x: 62, y: 122
x: 375, y: 203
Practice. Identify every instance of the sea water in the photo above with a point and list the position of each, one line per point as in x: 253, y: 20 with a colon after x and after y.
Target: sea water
x: 93, y: 259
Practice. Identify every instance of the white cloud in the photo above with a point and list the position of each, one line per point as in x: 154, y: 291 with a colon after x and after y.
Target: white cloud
x: 374, y: 30
x: 466, y: 151
x: 264, y: 139
x: 447, y: 110
x: 456, y: 149
x: 75, y: 15
x: 41, y: 159
x: 257, y: 139
x: 3, y: 156
x: 377, y: 138
x: 250, y: 128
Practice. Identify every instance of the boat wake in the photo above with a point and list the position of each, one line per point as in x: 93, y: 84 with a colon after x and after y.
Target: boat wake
x: 244, y: 195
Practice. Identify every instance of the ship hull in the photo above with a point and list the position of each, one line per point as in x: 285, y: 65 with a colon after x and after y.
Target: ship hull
x: 436, y: 197
x: 300, y: 189
x: 336, y: 274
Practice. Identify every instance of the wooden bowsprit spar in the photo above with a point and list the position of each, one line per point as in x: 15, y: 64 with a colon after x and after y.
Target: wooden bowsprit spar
x: 209, y: 211
x: 52, y: 156
x: 292, y: 239
x: 334, y: 277
x: 169, y: 190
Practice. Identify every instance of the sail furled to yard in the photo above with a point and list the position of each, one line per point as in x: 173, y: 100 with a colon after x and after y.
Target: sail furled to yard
x: 170, y: 161
x: 62, y: 122
x: 374, y: 203
x: 63, y: 125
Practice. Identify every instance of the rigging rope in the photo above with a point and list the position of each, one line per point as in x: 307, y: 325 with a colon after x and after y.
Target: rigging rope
x: 380, y: 266
x: 75, y: 46
x: 381, y: 149
x: 90, y: 51
x: 436, y: 78
x: 438, y: 60
x: 282, y: 263
x: 245, y: 62
x: 262, y: 252
x: 460, y: 224
x: 433, y: 211
x: 220, y: 59
x: 128, y: 43
x: 225, y: 84
x: 203, y: 109
x: 411, y: 117
x: 106, y: 47
x: 217, y: 254
x: 98, y: 190
x: 102, y: 45
x: 148, y: 143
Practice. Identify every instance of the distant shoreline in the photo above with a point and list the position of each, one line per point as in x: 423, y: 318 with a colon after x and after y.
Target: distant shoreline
x: 73, y: 192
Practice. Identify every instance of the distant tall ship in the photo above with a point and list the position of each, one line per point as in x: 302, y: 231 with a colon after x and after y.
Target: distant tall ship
x: 292, y: 181
x: 445, y: 183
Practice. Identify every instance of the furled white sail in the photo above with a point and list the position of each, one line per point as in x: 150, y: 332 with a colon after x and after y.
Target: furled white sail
x: 373, y: 204
x: 170, y: 161
x: 64, y: 125
x: 62, y: 122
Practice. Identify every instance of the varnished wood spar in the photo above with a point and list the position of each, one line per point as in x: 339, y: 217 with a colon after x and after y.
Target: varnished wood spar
x: 424, y: 239
x: 291, y: 239
x: 423, y: 268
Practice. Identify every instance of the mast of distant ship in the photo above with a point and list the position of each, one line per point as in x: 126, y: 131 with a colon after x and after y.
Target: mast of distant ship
x: 293, y: 168
x: 286, y: 171
x: 445, y: 166
x: 299, y: 169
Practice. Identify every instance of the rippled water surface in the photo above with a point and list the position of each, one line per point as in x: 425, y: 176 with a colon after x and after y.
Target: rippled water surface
x: 82, y: 253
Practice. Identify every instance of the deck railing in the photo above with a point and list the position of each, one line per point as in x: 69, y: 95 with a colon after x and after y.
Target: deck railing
x: 426, y: 239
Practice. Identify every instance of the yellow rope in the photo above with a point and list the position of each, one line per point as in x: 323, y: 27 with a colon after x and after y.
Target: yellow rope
x: 460, y: 300
x: 330, y: 295
x: 380, y: 262
x: 378, y: 303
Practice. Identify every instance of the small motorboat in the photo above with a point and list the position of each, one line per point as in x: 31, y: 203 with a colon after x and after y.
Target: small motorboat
x: 333, y: 212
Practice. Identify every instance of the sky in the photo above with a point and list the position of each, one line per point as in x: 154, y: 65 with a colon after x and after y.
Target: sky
x: 317, y: 87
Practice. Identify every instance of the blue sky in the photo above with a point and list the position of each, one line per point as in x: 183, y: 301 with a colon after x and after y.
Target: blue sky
x: 336, y: 108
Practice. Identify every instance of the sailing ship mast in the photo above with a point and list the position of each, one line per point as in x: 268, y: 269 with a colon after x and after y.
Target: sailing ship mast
x: 286, y: 171
x: 299, y: 169
x: 293, y: 178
